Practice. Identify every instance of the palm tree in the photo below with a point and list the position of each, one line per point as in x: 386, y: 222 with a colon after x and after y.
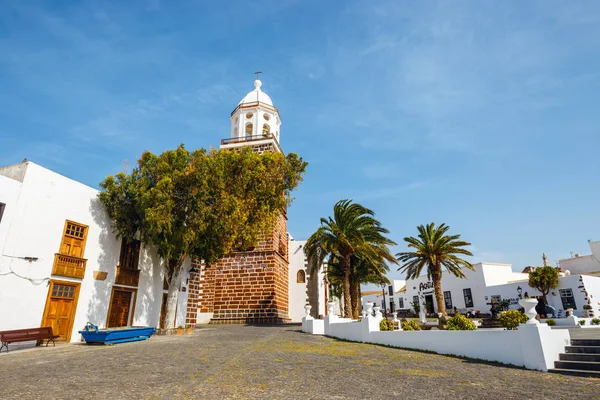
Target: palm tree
x: 365, y: 271
x: 353, y: 230
x: 434, y: 250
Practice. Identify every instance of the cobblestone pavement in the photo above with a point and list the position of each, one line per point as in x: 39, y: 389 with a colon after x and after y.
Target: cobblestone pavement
x: 218, y: 362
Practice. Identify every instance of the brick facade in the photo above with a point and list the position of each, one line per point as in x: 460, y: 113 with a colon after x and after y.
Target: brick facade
x: 247, y: 286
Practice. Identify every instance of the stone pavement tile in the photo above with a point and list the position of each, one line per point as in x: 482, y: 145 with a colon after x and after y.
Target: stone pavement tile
x: 254, y: 362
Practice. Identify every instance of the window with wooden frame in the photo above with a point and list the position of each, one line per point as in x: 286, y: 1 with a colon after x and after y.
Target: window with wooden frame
x: 74, y: 237
x: 301, y: 277
x: 130, y: 254
x: 69, y: 260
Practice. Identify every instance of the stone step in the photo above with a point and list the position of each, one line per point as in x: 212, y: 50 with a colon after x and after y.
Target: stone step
x: 583, y: 349
x: 585, y: 342
x: 582, y: 365
x: 579, y: 357
x: 575, y: 372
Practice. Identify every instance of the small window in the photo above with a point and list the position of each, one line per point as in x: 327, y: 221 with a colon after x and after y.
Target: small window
x: 301, y: 277
x: 249, y: 129
x: 267, y: 117
x: 391, y: 290
x: 568, y: 301
x: 401, y: 302
x: 130, y: 254
x: 75, y: 230
x: 448, y: 300
x: 249, y: 115
x: 2, y: 207
x: 468, y: 297
x: 416, y: 300
x: 64, y: 291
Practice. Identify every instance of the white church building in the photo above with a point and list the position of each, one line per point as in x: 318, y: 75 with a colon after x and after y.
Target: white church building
x: 62, y: 266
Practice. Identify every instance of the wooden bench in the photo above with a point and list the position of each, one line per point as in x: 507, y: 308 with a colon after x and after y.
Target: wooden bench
x: 25, y: 335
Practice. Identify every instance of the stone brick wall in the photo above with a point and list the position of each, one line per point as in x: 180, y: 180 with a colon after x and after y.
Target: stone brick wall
x: 249, y: 286
x: 193, y: 295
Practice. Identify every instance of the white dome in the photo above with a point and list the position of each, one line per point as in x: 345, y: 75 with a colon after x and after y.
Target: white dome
x: 257, y: 95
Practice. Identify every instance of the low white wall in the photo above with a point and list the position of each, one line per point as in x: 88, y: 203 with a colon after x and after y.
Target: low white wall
x: 314, y: 326
x: 534, y: 346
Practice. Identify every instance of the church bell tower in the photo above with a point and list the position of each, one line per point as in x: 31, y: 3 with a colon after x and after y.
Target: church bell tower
x: 250, y: 286
x: 254, y: 122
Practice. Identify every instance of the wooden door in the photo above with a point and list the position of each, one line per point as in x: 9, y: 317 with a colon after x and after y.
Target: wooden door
x: 73, y: 242
x: 120, y: 308
x: 60, y: 308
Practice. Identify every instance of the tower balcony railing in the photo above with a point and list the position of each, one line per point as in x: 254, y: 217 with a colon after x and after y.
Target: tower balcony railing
x: 250, y: 139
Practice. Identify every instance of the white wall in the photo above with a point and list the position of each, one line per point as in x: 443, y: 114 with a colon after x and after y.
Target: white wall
x: 34, y: 228
x: 297, y: 291
x: 533, y: 346
x: 9, y: 194
x: 583, y: 264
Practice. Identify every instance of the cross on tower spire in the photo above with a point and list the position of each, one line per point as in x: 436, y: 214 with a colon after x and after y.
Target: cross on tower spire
x: 257, y: 73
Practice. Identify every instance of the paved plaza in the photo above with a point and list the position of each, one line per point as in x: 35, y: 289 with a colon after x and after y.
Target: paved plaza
x: 218, y: 362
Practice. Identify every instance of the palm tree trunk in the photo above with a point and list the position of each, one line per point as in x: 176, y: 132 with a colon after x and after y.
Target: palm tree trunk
x: 347, y: 297
x: 355, y: 298
x: 439, y: 295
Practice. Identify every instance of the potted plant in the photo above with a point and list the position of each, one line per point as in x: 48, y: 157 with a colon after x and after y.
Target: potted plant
x: 179, y: 330
x: 189, y: 330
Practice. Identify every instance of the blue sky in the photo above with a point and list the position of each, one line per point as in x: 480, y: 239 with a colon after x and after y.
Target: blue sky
x: 483, y: 115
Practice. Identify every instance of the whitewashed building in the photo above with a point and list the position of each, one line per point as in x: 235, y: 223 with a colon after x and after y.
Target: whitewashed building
x: 61, y: 265
x: 586, y: 264
x: 491, y: 281
x: 306, y: 288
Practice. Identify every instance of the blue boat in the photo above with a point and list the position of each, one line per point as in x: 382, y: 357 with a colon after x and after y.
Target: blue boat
x: 93, y: 335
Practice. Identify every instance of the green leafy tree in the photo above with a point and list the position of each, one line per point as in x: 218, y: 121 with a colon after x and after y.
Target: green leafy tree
x: 544, y: 279
x: 199, y: 204
x: 352, y: 231
x: 434, y: 249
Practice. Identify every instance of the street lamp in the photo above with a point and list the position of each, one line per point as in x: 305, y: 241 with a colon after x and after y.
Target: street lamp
x: 519, y: 290
x: 383, y: 285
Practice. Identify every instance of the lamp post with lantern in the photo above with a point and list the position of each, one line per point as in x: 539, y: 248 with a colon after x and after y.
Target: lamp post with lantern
x: 383, y: 286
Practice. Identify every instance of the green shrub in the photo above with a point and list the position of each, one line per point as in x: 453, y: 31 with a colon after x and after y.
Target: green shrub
x: 460, y: 323
x: 582, y: 322
x: 512, y: 318
x: 596, y: 321
x: 386, y: 325
x: 411, y: 326
x: 551, y: 322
